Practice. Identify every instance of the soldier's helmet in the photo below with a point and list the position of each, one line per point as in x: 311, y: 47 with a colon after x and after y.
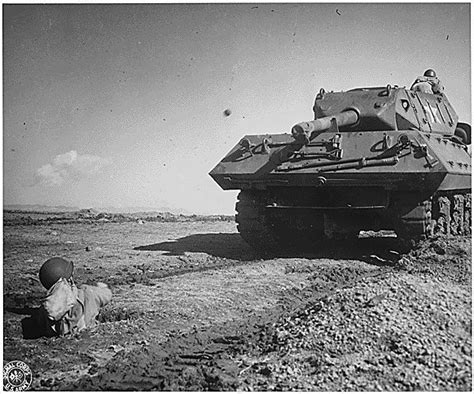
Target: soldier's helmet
x: 430, y: 73
x: 53, y: 269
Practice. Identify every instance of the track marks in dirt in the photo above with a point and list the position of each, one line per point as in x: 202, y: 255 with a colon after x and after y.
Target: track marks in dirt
x: 237, y: 304
x: 210, y: 297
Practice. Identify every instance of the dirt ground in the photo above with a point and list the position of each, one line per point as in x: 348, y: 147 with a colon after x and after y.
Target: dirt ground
x: 194, y: 308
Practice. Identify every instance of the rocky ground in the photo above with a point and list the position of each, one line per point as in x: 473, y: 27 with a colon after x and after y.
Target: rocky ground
x: 195, y: 308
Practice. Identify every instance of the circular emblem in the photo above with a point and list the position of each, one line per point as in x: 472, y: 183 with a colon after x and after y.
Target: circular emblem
x: 17, y: 376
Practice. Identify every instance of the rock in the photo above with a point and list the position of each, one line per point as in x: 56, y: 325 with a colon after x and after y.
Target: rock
x: 438, y: 249
x: 266, y: 371
x: 376, y: 300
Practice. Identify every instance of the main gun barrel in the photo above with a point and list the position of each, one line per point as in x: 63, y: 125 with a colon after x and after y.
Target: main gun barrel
x: 303, y: 130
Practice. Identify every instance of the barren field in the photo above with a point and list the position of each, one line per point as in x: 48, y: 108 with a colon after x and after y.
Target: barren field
x: 194, y: 308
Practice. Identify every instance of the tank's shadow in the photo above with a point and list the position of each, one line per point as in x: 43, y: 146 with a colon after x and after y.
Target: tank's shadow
x: 373, y: 250
x: 229, y: 246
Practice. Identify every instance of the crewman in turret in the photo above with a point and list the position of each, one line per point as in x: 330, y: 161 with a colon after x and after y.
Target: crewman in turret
x: 428, y: 83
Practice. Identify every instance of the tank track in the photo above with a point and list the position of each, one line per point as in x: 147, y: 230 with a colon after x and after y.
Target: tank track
x: 252, y: 221
x: 451, y: 215
x: 443, y: 214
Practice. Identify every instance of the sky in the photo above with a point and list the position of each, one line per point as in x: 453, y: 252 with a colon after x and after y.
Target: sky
x: 121, y: 105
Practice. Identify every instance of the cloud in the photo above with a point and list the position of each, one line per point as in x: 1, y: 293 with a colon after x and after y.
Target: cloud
x: 70, y: 166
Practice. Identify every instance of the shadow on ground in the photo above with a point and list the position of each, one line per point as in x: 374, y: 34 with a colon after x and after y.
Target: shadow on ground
x: 229, y: 246
x: 35, y: 325
x: 374, y: 250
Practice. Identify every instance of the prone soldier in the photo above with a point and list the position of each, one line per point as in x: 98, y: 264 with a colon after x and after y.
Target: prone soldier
x: 67, y: 308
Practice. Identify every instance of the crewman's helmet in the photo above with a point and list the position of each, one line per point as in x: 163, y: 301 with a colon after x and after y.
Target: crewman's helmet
x: 53, y: 269
x: 430, y: 73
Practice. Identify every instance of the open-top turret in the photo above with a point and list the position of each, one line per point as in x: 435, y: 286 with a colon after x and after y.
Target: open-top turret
x: 373, y: 158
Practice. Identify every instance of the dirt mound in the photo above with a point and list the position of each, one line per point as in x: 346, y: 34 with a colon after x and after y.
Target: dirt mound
x: 393, y: 330
x: 396, y: 333
x: 443, y: 258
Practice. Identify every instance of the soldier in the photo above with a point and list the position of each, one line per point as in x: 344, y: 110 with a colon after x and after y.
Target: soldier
x: 428, y: 83
x: 68, y: 309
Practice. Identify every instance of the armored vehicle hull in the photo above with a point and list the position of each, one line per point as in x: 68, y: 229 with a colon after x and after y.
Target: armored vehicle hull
x: 373, y: 159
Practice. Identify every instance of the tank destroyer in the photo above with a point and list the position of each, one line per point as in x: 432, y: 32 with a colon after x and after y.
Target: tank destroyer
x: 376, y: 158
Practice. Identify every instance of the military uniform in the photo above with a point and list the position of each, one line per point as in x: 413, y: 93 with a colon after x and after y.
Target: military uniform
x: 66, y: 309
x: 428, y: 84
x: 69, y: 309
